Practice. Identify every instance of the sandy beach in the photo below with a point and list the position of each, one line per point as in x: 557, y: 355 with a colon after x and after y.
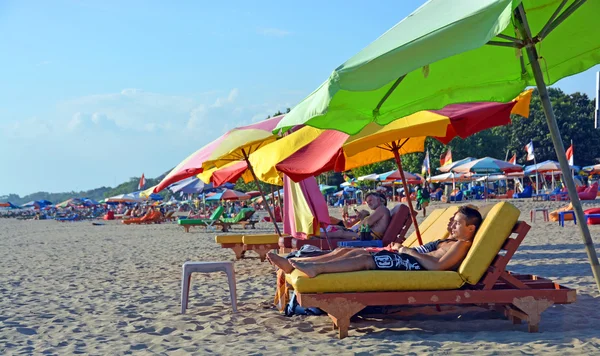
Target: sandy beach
x: 71, y: 288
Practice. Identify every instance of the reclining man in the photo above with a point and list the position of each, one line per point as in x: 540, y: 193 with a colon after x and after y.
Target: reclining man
x: 439, y: 255
x: 378, y: 221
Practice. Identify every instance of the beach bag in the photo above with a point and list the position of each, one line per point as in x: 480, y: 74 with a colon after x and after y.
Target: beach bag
x: 293, y: 308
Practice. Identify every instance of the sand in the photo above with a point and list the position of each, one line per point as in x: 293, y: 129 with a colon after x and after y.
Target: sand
x: 69, y: 288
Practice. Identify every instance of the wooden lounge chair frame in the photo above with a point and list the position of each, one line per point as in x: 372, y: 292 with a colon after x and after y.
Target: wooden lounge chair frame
x: 240, y: 249
x: 522, y: 297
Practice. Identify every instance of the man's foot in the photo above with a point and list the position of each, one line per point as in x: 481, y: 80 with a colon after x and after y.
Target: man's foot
x: 280, y: 262
x: 306, y: 268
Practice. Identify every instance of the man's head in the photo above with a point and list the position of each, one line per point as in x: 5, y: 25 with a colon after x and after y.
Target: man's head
x: 465, y: 223
x: 375, y: 200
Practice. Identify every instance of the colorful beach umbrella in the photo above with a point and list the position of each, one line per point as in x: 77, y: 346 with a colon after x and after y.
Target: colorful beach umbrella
x: 544, y: 167
x: 227, y: 147
x: 395, y: 175
x: 191, y: 185
x: 592, y: 169
x: 228, y: 194
x: 8, y: 205
x: 450, y: 177
x: 310, y: 151
x: 462, y: 51
x: 225, y: 152
x: 448, y: 167
x: 487, y: 165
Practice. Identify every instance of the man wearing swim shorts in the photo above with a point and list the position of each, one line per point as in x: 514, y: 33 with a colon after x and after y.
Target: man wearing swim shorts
x: 440, y: 255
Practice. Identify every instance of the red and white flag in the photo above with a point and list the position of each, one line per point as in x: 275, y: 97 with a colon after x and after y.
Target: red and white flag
x: 513, y: 160
x: 570, y: 155
x: 142, y: 182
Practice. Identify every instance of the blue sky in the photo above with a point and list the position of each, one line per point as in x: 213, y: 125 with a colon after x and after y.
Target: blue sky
x: 95, y: 92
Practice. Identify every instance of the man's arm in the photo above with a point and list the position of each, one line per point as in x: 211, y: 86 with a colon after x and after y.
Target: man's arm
x: 376, y: 216
x: 452, y: 257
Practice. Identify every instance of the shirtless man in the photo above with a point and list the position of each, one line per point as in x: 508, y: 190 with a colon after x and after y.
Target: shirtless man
x: 439, y: 255
x: 378, y: 221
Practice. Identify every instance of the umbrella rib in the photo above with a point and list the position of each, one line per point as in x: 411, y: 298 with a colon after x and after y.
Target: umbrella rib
x: 387, y: 95
x: 505, y: 44
x: 542, y: 33
x: 552, y: 24
x: 511, y: 39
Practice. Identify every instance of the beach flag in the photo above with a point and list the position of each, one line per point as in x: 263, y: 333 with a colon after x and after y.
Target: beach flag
x: 142, y: 182
x: 349, y: 180
x: 446, y: 158
x: 570, y: 155
x: 529, y: 150
x: 426, y: 166
x: 513, y: 160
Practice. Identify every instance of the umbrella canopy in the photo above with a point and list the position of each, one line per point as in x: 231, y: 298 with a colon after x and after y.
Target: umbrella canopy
x: 253, y: 193
x: 450, y: 177
x: 448, y: 167
x: 8, y: 205
x: 487, y: 165
x: 395, y: 175
x: 543, y: 167
x: 223, y: 150
x: 124, y: 198
x: 371, y: 177
x: 229, y: 173
x: 229, y: 194
x: 70, y: 202
x: 438, y: 55
x: 191, y: 185
x: 592, y: 169
x: 310, y: 151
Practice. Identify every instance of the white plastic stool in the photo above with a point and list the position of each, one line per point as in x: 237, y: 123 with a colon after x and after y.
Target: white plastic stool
x: 207, y: 267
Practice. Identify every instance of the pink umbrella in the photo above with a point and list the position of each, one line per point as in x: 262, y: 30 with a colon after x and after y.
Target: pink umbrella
x: 231, y: 194
x: 410, y: 178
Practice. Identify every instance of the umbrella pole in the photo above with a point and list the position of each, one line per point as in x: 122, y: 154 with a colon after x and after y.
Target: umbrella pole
x: 558, y: 144
x: 407, y: 191
x: 261, y: 193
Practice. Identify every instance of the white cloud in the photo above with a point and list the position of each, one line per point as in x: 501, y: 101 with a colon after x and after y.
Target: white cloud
x: 95, y: 122
x: 273, y: 32
x: 43, y: 63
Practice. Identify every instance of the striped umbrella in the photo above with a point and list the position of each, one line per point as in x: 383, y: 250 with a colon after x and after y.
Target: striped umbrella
x: 223, y: 150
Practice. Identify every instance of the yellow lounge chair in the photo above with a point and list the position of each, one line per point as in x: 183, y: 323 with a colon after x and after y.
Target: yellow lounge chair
x: 481, y: 279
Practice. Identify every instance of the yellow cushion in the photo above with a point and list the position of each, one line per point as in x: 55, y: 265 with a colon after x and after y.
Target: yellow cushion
x: 492, y: 233
x: 229, y: 239
x: 438, y: 229
x: 423, y: 226
x: 260, y: 239
x: 374, y: 281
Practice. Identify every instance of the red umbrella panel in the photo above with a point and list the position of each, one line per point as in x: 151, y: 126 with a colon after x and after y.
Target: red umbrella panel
x: 231, y: 194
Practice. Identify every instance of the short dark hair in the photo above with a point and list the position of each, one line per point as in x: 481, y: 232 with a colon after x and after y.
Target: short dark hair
x: 473, y: 216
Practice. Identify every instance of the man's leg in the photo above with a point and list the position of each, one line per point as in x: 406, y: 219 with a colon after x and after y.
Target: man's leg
x: 361, y: 262
x: 285, y: 265
x: 342, y: 235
